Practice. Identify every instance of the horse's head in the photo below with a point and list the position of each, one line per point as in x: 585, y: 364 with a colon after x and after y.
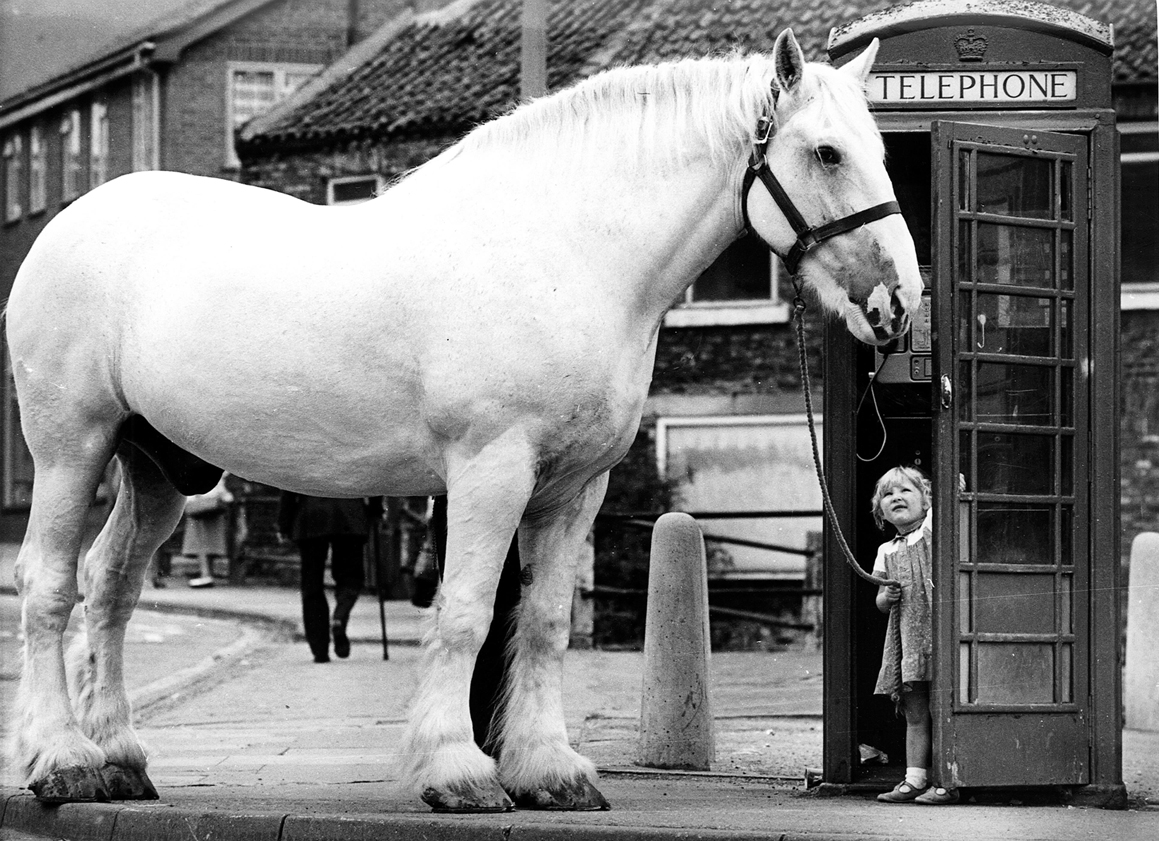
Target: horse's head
x: 835, y: 221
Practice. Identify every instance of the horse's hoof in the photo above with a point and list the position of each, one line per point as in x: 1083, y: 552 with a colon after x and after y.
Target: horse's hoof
x: 466, y: 798
x: 577, y: 796
x: 125, y: 783
x: 74, y: 784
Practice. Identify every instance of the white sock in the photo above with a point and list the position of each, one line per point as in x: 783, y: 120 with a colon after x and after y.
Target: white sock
x: 916, y: 777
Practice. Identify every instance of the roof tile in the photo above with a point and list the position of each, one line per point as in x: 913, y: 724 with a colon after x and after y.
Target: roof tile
x: 442, y: 76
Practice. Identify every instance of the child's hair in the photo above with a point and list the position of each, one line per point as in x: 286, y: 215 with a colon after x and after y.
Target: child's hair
x: 893, y: 477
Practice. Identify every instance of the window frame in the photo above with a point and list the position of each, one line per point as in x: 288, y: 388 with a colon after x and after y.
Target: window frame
x: 795, y: 420
x: 689, y: 312
x: 15, y: 448
x: 1138, y: 295
x: 71, y: 166
x: 37, y: 169
x: 13, y: 154
x: 98, y: 142
x: 146, y: 128
x: 280, y: 70
x: 350, y: 179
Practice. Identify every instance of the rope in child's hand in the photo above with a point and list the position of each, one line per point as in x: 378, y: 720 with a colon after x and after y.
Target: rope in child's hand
x: 799, y: 317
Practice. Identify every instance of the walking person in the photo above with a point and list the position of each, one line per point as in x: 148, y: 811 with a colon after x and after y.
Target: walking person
x: 902, y: 498
x: 338, y: 528
x: 206, y: 527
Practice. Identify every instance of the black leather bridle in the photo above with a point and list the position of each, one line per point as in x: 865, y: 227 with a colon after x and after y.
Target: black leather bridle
x: 808, y: 237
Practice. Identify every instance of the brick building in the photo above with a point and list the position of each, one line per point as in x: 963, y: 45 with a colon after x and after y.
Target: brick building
x: 167, y: 96
x: 726, y: 373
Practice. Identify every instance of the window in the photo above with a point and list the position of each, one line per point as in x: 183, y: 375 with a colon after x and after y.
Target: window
x: 353, y: 189
x: 751, y: 463
x: 37, y: 170
x: 740, y: 287
x: 98, y: 144
x: 13, y: 176
x: 1140, y: 215
x: 254, y: 88
x: 144, y: 122
x: 17, y: 490
x: 70, y: 164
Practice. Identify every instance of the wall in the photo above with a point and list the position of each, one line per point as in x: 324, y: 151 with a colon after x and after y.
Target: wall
x: 293, y: 31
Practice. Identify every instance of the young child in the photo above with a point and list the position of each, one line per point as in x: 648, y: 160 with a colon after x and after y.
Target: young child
x: 902, y: 498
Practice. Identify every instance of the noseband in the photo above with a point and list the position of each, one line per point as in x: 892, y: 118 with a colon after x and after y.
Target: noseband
x: 808, y: 237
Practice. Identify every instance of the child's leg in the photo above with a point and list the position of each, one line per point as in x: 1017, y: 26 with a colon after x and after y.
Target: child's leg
x: 918, y: 757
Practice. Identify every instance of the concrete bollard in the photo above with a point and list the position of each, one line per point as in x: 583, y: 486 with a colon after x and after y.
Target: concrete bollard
x: 676, y: 728
x: 1141, y: 678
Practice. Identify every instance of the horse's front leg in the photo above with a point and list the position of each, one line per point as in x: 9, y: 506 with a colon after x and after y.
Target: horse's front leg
x: 537, y: 765
x: 485, y: 500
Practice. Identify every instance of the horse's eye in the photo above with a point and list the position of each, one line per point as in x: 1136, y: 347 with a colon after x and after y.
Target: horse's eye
x: 828, y: 156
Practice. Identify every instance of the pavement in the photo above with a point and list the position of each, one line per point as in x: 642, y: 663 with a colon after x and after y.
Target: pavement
x: 249, y: 739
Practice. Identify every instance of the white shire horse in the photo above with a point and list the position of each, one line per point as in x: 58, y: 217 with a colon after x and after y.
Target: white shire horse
x: 485, y: 328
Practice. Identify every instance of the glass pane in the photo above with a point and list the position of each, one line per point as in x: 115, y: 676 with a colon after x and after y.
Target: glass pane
x: 1015, y: 673
x: 965, y: 388
x: 1065, y: 625
x: 965, y: 252
x: 1066, y: 397
x: 966, y: 458
x: 965, y: 529
x: 1065, y: 250
x: 1014, y: 393
x: 1015, y: 464
x: 1066, y: 536
x: 741, y: 273
x: 1014, y: 604
x: 963, y: 179
x: 1015, y: 186
x: 1015, y: 533
x: 1066, y: 191
x: 965, y: 321
x: 1066, y: 656
x: 1019, y: 256
x: 1066, y: 451
x: 964, y: 602
x: 1066, y: 340
x: 253, y: 94
x: 1014, y: 324
x: 964, y: 673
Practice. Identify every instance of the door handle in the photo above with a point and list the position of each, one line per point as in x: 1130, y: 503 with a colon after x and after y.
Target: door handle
x: 947, y: 392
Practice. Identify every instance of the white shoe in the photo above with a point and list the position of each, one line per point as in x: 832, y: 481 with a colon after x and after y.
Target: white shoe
x: 204, y: 581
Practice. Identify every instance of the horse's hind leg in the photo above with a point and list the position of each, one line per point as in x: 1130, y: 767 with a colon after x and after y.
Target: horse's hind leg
x: 146, y: 512
x: 537, y: 765
x: 57, y: 760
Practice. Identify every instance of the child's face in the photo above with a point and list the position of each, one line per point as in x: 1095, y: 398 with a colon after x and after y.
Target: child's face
x: 902, y: 505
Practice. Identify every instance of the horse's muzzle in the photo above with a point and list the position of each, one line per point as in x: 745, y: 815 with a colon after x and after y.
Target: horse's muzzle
x: 888, y: 318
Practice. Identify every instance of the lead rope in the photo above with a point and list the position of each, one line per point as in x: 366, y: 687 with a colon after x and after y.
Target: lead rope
x: 799, y: 318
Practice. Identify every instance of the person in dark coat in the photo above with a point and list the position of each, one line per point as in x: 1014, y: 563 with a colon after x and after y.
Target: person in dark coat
x: 340, y: 527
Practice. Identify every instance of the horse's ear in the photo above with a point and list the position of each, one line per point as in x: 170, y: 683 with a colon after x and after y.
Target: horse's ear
x: 859, y: 68
x: 788, y: 61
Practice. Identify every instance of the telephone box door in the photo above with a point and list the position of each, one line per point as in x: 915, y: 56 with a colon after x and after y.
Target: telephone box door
x: 1012, y: 385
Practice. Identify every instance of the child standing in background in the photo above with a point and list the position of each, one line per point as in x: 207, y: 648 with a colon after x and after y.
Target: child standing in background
x: 902, y: 498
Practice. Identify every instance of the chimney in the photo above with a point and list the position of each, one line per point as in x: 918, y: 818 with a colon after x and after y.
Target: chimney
x: 533, y: 52
x: 353, y: 36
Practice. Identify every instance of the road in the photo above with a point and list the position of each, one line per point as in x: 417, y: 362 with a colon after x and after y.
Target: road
x: 169, y: 658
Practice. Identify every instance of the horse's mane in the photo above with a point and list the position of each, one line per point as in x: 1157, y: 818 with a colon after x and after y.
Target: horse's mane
x: 674, y: 110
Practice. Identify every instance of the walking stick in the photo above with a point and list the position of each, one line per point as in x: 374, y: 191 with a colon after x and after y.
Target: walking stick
x: 376, y: 548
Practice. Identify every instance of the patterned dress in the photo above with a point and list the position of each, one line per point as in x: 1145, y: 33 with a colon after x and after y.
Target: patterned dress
x: 909, y: 631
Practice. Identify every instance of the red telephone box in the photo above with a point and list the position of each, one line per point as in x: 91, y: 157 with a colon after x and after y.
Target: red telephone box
x: 1001, y: 142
